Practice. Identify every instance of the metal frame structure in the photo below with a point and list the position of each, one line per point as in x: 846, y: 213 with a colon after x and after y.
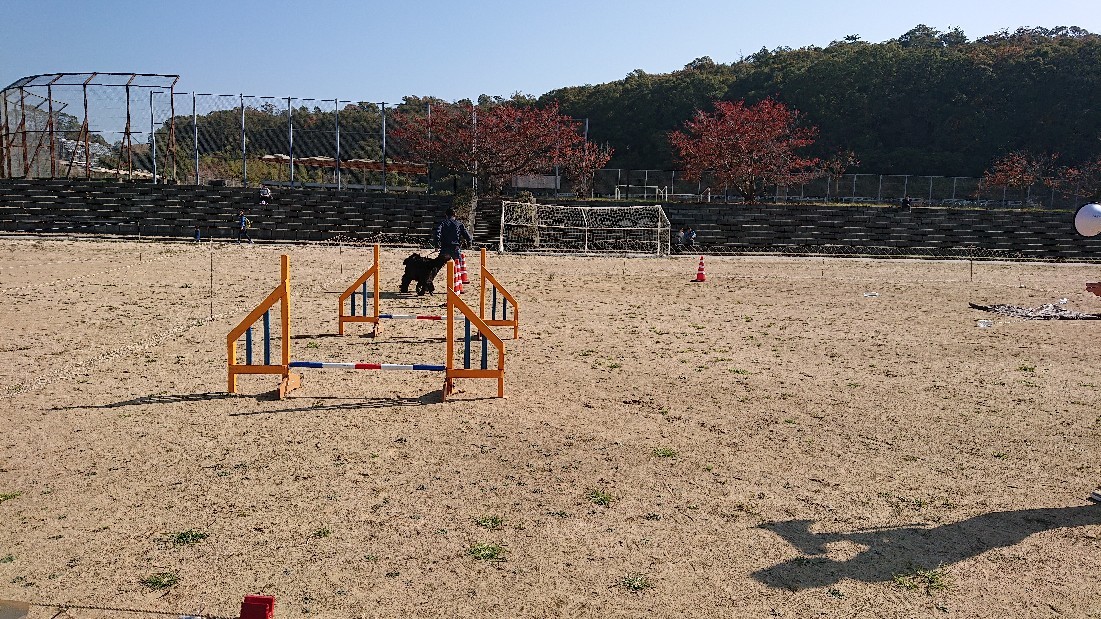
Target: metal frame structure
x: 16, y: 138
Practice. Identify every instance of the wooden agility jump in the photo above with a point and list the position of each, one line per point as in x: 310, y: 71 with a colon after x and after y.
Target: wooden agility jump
x: 360, y: 301
x: 475, y: 330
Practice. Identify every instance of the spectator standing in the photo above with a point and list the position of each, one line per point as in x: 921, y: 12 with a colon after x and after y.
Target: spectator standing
x: 265, y: 194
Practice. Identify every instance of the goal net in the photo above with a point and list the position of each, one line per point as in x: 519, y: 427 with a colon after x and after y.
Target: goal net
x: 550, y: 228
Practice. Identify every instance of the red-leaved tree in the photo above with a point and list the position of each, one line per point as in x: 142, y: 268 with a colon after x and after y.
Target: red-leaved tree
x: 1019, y: 170
x: 493, y: 142
x: 581, y: 162
x: 747, y: 147
x: 1080, y: 181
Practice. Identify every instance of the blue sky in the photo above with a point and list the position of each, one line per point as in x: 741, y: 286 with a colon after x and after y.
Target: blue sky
x: 382, y: 50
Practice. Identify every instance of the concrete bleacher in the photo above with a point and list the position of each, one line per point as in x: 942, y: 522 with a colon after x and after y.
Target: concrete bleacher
x: 124, y: 208
x: 112, y: 207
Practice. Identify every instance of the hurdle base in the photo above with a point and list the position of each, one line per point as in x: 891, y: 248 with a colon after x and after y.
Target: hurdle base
x: 289, y: 383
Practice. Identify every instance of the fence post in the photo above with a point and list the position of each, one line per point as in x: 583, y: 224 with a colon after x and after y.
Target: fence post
x: 336, y: 120
x: 383, y: 104
x: 879, y: 198
x: 290, y: 140
x: 244, y: 160
x: 195, y: 130
x: 152, y: 135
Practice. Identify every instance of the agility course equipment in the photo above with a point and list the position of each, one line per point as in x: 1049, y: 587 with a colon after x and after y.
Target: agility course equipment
x: 282, y: 296
x: 550, y: 228
x: 348, y: 299
x: 507, y: 319
x: 474, y: 329
x: 353, y: 306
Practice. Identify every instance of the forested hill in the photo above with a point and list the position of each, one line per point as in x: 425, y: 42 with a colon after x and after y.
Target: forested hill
x: 928, y: 102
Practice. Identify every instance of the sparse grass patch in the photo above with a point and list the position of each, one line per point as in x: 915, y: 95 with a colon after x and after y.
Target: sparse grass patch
x: 7, y: 496
x: 487, y: 552
x: 190, y: 536
x: 321, y: 533
x: 600, y: 497
x: 489, y: 522
x: 635, y: 582
x: 922, y: 580
x: 8, y: 558
x: 312, y: 344
x: 160, y: 580
x: 665, y: 452
x: 1026, y: 368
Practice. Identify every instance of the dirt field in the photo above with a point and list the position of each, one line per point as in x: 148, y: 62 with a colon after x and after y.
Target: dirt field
x: 769, y: 443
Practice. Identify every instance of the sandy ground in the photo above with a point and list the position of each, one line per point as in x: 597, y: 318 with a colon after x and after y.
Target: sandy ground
x: 772, y: 442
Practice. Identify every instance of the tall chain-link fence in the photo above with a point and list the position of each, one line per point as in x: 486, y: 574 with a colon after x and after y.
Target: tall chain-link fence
x: 671, y: 186
x: 97, y: 125
x: 135, y: 126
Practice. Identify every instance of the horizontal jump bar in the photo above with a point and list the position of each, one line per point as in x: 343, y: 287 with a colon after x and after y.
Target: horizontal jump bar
x: 325, y: 365
x: 411, y: 316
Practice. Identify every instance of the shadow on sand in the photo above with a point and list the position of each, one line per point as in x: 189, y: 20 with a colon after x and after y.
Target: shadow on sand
x: 165, y: 398
x: 890, y: 552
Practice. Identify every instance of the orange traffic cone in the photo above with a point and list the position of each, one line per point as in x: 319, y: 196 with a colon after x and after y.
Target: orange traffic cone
x: 462, y: 268
x: 457, y: 285
x: 701, y: 276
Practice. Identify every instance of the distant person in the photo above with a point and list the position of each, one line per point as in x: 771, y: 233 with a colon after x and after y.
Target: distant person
x: 689, y: 238
x: 265, y: 194
x: 450, y: 235
x: 906, y: 202
x: 243, y: 224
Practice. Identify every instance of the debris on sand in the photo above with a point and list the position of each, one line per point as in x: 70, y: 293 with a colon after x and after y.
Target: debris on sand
x: 1047, y: 311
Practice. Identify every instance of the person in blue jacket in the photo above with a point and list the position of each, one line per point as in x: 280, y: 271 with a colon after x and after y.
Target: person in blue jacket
x: 243, y: 224
x: 450, y: 235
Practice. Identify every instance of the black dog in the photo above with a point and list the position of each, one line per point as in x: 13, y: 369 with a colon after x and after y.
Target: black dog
x: 423, y: 270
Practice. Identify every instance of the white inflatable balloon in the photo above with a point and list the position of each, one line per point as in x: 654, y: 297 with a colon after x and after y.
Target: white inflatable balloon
x: 1088, y: 220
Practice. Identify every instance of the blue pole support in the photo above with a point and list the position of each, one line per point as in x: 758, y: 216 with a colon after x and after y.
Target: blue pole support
x: 504, y: 308
x: 485, y: 353
x: 267, y: 337
x: 248, y: 346
x: 353, y: 304
x: 494, y: 296
x: 364, y: 298
x: 466, y: 345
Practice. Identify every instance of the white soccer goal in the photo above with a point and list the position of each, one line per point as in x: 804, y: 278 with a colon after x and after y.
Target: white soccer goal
x: 551, y: 228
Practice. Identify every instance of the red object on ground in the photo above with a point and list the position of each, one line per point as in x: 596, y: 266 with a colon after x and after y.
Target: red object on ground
x: 701, y: 276
x: 457, y: 285
x: 1094, y: 287
x: 462, y: 268
x: 258, y: 607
